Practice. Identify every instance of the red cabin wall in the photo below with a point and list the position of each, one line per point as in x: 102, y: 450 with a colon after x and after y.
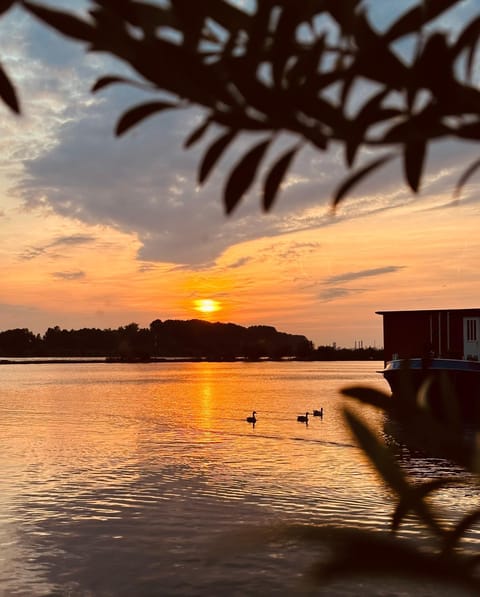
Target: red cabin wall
x: 410, y: 334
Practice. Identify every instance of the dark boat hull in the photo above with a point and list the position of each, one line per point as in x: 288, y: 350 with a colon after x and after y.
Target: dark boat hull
x: 437, y: 379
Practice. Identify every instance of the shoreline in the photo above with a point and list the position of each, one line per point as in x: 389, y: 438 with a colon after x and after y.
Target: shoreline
x: 107, y: 360
x: 115, y: 360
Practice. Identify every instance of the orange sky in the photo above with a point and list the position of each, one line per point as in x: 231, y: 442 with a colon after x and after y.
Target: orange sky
x: 101, y: 232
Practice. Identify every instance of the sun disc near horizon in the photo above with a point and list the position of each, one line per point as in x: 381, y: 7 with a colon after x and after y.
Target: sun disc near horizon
x: 207, y: 306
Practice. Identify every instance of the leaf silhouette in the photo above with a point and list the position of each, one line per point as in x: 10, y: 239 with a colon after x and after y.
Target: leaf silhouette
x: 468, y: 39
x: 243, y: 174
x: 5, y: 5
x: 413, y: 501
x: 214, y: 153
x: 7, y: 92
x: 414, y: 157
x: 275, y: 177
x: 465, y: 176
x: 197, y: 133
x: 370, y: 113
x: 469, y: 131
x: 63, y: 22
x: 112, y: 80
x: 415, y: 18
x: 380, y: 456
x: 135, y: 115
x: 106, y: 81
x: 373, y: 555
x: 456, y: 534
x: 357, y: 176
x: 369, y: 396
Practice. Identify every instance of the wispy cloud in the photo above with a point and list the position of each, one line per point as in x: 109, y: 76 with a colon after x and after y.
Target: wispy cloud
x: 239, y: 263
x: 32, y: 253
x: 145, y: 268
x: 331, y: 294
x: 73, y: 240
x: 333, y: 291
x: 195, y: 267
x: 366, y: 273
x: 79, y: 275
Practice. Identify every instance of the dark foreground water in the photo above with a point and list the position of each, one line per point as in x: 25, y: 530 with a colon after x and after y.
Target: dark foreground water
x: 147, y: 480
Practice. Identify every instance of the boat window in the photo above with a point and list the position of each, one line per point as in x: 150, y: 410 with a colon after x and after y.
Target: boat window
x: 471, y: 330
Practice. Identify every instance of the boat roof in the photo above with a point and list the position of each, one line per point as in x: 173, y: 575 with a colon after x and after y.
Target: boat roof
x: 469, y: 310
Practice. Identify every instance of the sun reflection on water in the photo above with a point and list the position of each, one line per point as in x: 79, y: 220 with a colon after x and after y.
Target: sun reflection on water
x: 128, y: 472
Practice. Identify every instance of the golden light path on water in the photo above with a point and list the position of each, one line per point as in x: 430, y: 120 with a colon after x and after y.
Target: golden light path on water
x: 146, y: 479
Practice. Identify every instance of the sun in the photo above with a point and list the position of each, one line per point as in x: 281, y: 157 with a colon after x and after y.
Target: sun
x: 207, y: 305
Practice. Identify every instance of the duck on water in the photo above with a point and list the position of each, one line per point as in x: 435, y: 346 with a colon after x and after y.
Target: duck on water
x: 253, y: 418
x: 303, y: 418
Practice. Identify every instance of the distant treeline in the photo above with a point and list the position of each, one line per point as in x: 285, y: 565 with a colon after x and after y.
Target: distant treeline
x: 173, y: 338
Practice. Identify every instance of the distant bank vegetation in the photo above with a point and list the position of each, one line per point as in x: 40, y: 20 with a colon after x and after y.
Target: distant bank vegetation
x: 174, y: 338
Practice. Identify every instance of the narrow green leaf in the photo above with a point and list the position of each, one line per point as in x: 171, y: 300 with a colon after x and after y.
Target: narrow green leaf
x: 197, y: 133
x: 305, y: 67
x: 352, y: 143
x: 370, y: 113
x: 413, y: 160
x: 413, y: 501
x: 5, y: 5
x: 7, y: 92
x: 346, y: 87
x: 258, y: 33
x: 369, y: 396
x: 135, y: 115
x: 399, y: 514
x: 465, y: 176
x: 320, y: 108
x: 376, y: 557
x: 214, y: 153
x: 229, y: 16
x: 428, y: 487
x: 355, y: 178
x: 390, y: 71
x: 112, y: 80
x: 243, y: 174
x: 140, y: 14
x: 415, y: 18
x: 63, y: 22
x: 360, y: 126
x: 284, y: 41
x: 275, y: 177
x: 469, y: 131
x: 460, y: 529
x: 371, y: 109
x: 380, y: 456
x: 468, y: 39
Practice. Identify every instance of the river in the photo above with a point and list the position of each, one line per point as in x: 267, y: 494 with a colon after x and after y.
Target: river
x: 146, y: 479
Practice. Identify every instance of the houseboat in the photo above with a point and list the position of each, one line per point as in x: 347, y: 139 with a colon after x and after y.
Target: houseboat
x: 439, y: 345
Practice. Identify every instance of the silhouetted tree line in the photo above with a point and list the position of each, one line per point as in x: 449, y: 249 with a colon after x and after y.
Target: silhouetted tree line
x: 194, y: 338
x: 174, y: 338
x: 198, y: 338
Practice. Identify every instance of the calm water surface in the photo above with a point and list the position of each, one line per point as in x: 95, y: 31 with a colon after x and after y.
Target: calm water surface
x: 142, y: 479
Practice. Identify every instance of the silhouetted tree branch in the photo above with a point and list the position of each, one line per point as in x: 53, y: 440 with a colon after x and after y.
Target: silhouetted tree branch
x: 293, y: 67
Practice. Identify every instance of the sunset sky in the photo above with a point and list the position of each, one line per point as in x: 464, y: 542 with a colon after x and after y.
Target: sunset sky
x: 101, y: 232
